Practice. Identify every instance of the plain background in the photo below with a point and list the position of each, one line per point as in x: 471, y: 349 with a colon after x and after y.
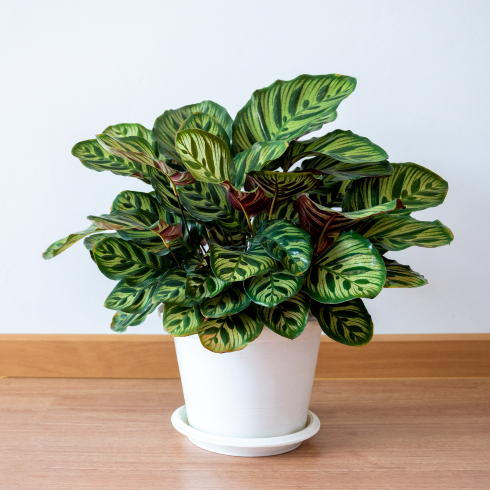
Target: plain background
x: 70, y: 69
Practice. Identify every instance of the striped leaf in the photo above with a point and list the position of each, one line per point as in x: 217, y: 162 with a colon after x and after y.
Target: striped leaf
x: 227, y: 238
x: 231, y: 333
x: 284, y: 211
x: 236, y: 265
x: 90, y: 241
x: 284, y: 185
x: 228, y: 302
x: 206, y: 156
x: 350, y: 268
x: 202, y: 283
x: 158, y: 247
x: 169, y: 123
x: 344, y: 146
x: 272, y: 288
x: 289, y: 318
x: 209, y: 203
x: 286, y: 243
x: 348, y: 323
x: 130, y: 299
x: 124, y: 129
x: 134, y: 202
x: 94, y: 157
x: 252, y: 202
x: 209, y: 124
x: 330, y: 194
x: 416, y: 186
x: 400, y: 232
x: 61, y: 245
x: 121, y: 321
x: 193, y: 260
x: 288, y: 109
x: 171, y: 289
x: 164, y: 192
x: 118, y: 259
x: 402, y: 276
x: 181, y: 321
x: 256, y: 158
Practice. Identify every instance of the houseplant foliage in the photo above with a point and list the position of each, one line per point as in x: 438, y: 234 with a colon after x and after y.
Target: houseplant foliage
x: 246, y: 225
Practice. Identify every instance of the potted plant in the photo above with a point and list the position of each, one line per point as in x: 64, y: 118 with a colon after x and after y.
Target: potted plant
x: 246, y: 225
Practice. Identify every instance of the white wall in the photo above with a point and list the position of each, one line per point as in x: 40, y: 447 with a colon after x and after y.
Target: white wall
x: 69, y: 69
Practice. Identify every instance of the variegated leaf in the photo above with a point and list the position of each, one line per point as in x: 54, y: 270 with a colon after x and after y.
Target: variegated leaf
x: 289, y: 318
x: 119, y: 259
x: 256, y: 158
x: 330, y: 195
x: 206, y: 156
x: 125, y: 129
x: 416, y: 186
x: 231, y: 265
x: 90, y: 241
x: 61, y: 245
x: 400, y: 232
x: 130, y: 299
x: 202, y: 283
x: 250, y: 202
x: 228, y: 302
x: 272, y: 288
x: 121, y: 321
x: 227, y: 238
x: 288, y: 109
x: 169, y: 123
x: 284, y: 211
x: 171, y: 289
x: 164, y: 192
x: 287, y: 243
x: 231, y: 333
x: 348, y: 323
x: 181, y: 321
x: 193, y: 260
x: 134, y: 202
x: 208, y: 123
x: 350, y: 268
x: 402, y: 276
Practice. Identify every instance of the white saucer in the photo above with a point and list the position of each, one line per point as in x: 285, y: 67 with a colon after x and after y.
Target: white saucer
x: 241, y: 446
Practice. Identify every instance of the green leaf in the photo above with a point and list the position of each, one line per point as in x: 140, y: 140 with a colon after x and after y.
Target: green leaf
x: 202, y: 283
x: 350, y: 268
x: 344, y: 146
x: 207, y: 123
x: 133, y: 148
x: 61, y: 245
x: 163, y: 191
x: 134, y: 202
x: 237, y: 265
x: 286, y: 243
x: 400, y: 232
x: 209, y: 203
x: 416, y: 186
x: 92, y: 240
x: 171, y: 289
x: 130, y: 299
x: 181, y: 321
x: 330, y: 194
x: 348, y: 323
x: 169, y: 123
x: 256, y: 158
x: 272, y: 288
x: 192, y: 260
x: 229, y: 302
x: 402, y: 276
x: 288, y: 109
x: 227, y: 238
x: 118, y: 259
x: 284, y: 185
x: 231, y: 333
x: 121, y: 321
x: 284, y: 211
x: 206, y: 156
x: 289, y: 318
x: 125, y: 129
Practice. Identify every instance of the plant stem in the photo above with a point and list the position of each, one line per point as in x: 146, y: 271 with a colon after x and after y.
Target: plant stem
x: 171, y: 251
x: 272, y: 206
x: 248, y: 219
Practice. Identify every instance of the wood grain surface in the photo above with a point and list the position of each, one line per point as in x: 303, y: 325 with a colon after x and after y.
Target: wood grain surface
x: 84, y: 434
x: 153, y: 356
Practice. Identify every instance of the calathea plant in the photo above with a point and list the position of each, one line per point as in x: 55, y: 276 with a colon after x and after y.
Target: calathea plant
x: 246, y: 225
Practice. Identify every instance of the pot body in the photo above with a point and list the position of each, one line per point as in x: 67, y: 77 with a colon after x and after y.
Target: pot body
x: 263, y: 390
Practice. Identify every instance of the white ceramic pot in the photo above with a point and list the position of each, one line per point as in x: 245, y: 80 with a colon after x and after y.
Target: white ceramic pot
x: 262, y: 391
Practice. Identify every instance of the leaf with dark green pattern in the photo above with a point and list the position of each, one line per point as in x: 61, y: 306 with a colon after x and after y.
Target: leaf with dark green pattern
x: 90, y: 241
x: 402, y: 276
x: 284, y: 211
x: 227, y: 238
x: 208, y: 123
x: 287, y: 243
x: 272, y: 288
x: 125, y: 129
x: 134, y: 202
x: 202, y: 283
x: 164, y: 192
x: 181, y: 321
x: 130, y: 299
x: 61, y: 245
x: 171, y: 289
x: 289, y: 318
x: 237, y: 265
x: 400, y: 232
x: 228, y: 302
x: 119, y: 259
x: 231, y: 333
x: 193, y: 260
x: 416, y: 186
x: 350, y: 268
x: 121, y: 321
x: 288, y: 109
x: 348, y: 323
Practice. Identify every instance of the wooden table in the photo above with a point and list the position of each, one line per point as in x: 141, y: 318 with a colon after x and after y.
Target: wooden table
x: 116, y: 434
